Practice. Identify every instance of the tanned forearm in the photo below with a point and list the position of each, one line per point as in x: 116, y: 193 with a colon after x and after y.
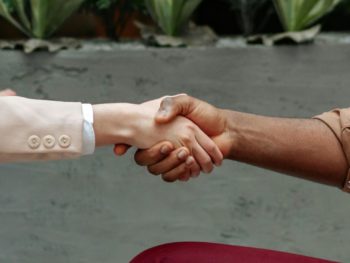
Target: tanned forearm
x: 303, y: 148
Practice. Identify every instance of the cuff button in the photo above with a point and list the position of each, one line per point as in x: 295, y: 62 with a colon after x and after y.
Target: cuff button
x: 34, y: 142
x: 49, y: 141
x: 64, y: 141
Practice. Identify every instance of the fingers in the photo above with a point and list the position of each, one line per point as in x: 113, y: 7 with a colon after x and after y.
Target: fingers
x: 172, y: 165
x: 121, y: 149
x: 153, y: 155
x: 170, y: 169
x: 210, y: 147
x: 173, y: 160
x: 182, y: 172
x: 173, y: 106
x: 202, y: 157
x: 7, y: 92
x: 194, y: 166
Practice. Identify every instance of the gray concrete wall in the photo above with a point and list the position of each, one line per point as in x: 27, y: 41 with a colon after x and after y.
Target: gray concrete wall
x: 103, y: 209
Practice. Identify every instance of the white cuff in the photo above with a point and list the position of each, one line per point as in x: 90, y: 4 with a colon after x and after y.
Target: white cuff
x: 88, y: 130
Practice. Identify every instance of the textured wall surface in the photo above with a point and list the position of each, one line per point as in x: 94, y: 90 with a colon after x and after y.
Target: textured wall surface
x: 103, y: 209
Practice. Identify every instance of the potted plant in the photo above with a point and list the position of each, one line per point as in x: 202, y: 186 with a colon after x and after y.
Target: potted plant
x: 172, y: 18
x: 38, y: 19
x: 298, y: 18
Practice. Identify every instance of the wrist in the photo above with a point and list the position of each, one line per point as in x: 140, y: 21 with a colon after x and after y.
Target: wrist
x: 246, y: 133
x: 114, y: 123
x: 234, y: 138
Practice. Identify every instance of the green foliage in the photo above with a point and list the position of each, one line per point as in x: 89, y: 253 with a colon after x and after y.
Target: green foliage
x: 297, y: 15
x: 172, y: 15
x: 38, y: 18
x: 9, y: 4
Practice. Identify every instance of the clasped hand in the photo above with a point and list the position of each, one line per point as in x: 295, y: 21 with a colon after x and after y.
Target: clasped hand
x: 183, y: 137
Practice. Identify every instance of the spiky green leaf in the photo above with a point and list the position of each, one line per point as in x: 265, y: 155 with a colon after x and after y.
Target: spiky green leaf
x: 297, y: 15
x: 172, y: 15
x: 6, y: 8
x: 48, y: 15
x: 38, y: 18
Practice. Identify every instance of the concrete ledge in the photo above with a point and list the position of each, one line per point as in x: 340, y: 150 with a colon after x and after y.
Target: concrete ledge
x: 103, y: 209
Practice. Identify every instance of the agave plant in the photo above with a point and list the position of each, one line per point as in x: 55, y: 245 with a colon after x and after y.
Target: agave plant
x: 297, y: 15
x: 38, y: 18
x: 172, y: 15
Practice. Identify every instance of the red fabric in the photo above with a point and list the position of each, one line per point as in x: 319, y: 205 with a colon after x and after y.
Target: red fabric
x: 196, y: 252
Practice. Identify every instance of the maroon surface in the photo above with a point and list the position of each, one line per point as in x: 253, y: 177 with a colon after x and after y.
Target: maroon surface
x: 193, y: 252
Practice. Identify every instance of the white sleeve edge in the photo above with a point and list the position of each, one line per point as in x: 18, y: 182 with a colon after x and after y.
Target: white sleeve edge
x: 88, y: 130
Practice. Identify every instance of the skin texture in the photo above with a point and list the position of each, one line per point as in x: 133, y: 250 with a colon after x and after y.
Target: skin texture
x: 7, y: 92
x: 304, y: 148
x: 135, y: 125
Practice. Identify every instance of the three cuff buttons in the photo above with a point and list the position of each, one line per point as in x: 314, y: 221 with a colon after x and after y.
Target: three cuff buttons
x: 48, y: 141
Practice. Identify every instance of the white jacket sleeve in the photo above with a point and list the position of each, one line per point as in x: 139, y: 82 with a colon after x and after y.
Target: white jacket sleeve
x: 39, y: 130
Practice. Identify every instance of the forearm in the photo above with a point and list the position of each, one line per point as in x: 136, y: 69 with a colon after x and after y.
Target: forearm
x: 303, y: 148
x: 124, y: 123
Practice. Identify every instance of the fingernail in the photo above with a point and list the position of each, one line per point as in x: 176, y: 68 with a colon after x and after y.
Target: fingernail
x: 184, y: 179
x: 195, y: 175
x: 165, y: 149
x: 218, y: 164
x: 182, y: 155
x: 206, y: 171
x: 189, y: 161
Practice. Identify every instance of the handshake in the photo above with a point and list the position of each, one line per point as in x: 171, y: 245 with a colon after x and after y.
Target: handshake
x: 177, y: 137
x: 180, y: 136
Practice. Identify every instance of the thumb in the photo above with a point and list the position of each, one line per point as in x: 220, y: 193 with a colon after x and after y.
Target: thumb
x: 173, y: 106
x: 121, y: 149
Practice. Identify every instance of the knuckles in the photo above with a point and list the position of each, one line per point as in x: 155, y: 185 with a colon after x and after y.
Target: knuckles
x: 186, y: 139
x: 187, y: 134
